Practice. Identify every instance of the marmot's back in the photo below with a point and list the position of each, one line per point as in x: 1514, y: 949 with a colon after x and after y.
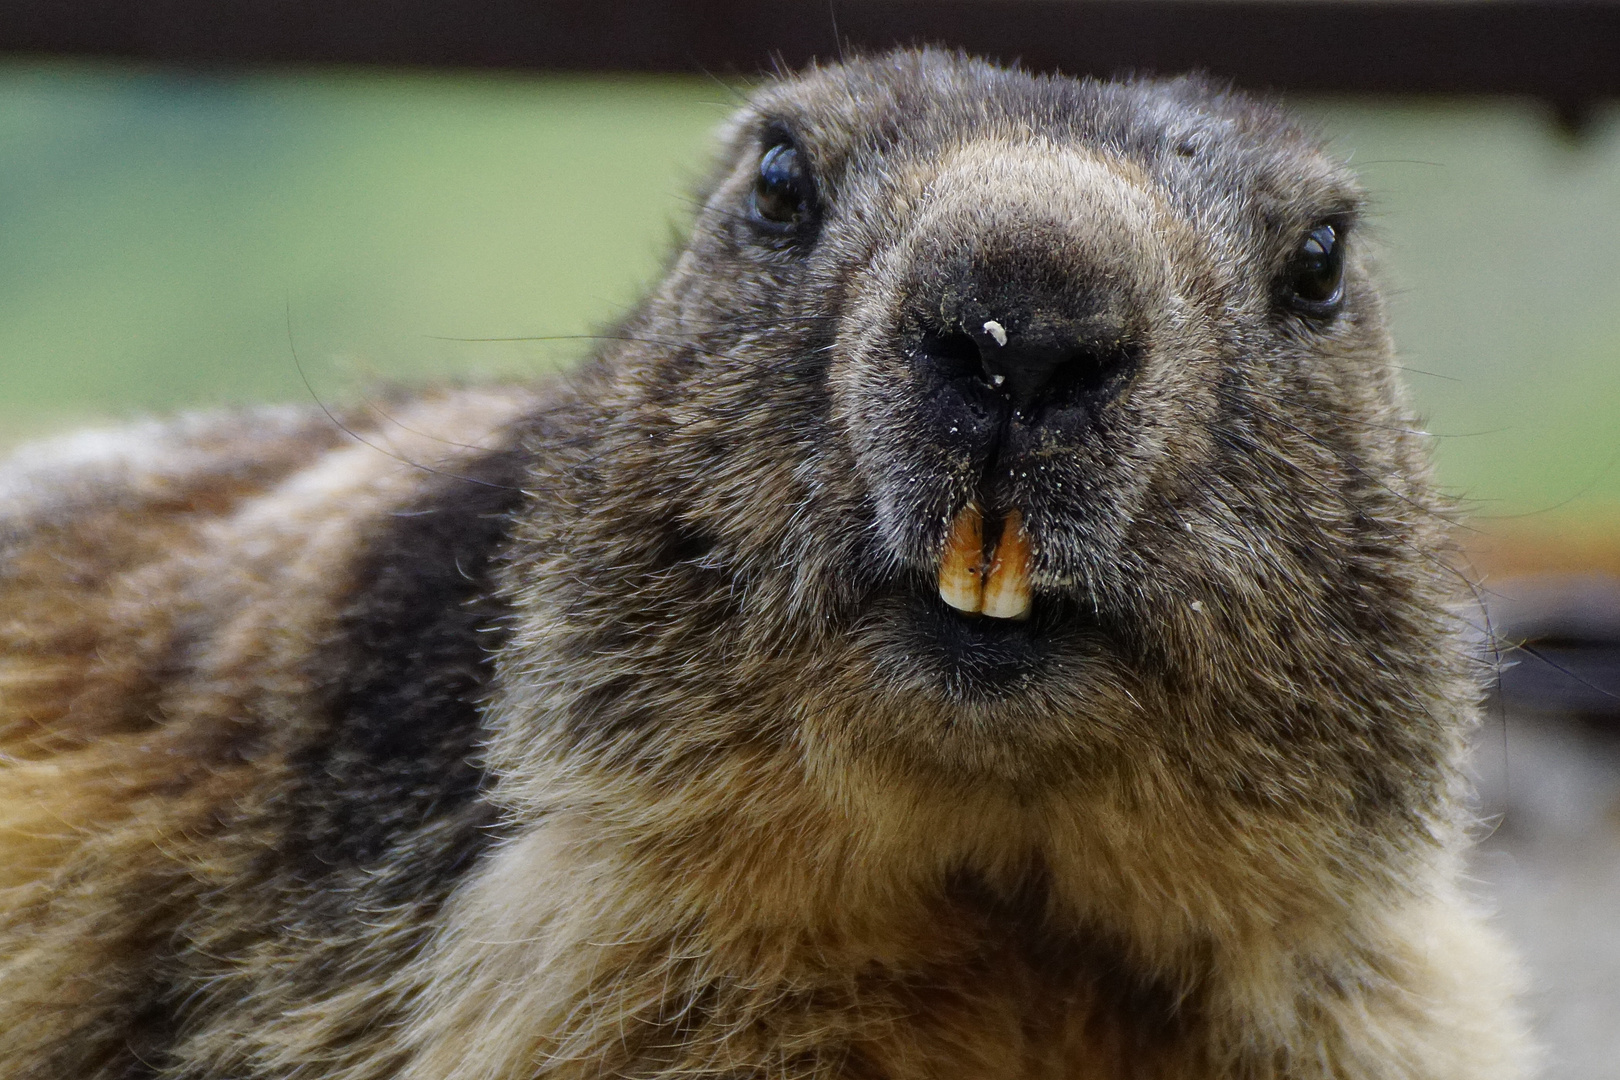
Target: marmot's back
x: 984, y: 615
x: 193, y: 616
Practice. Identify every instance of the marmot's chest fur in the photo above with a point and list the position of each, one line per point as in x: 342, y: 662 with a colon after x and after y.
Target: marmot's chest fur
x: 984, y: 615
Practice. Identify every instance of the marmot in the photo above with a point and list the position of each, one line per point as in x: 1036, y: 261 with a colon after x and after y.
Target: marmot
x: 985, y: 614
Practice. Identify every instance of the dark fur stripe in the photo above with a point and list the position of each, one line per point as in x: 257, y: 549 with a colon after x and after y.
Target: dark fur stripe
x: 406, y: 677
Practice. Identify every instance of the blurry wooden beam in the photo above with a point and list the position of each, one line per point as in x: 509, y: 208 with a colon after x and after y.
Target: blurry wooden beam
x: 1565, y: 52
x: 1552, y: 593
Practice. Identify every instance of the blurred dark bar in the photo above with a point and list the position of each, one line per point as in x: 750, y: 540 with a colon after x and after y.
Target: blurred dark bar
x: 1569, y: 660
x: 1566, y: 52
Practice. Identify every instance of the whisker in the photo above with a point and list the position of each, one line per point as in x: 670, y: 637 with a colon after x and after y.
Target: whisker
x: 357, y: 437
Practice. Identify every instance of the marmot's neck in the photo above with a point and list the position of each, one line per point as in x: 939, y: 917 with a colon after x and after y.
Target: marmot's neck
x: 1058, y: 930
x: 865, y: 859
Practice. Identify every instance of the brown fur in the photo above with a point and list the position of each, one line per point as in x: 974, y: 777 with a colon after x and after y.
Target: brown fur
x: 625, y: 735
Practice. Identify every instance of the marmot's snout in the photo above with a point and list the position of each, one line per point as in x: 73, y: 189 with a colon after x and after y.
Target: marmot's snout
x: 1026, y: 355
x: 1024, y: 302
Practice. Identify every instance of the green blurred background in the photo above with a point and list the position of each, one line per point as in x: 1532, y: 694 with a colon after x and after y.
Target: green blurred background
x: 161, y: 233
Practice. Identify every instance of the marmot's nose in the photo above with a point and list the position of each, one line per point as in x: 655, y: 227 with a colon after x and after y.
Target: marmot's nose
x: 1029, y: 365
x: 1024, y: 364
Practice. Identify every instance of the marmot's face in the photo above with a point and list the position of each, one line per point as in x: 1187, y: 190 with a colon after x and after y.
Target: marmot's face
x: 1055, y: 395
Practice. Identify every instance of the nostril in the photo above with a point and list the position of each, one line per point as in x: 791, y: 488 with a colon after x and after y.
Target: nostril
x: 953, y: 354
x: 1030, y: 371
x: 1025, y: 370
x: 1090, y: 373
x: 1055, y: 374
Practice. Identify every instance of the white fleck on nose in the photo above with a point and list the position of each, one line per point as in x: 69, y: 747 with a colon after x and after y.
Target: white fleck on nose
x: 997, y: 331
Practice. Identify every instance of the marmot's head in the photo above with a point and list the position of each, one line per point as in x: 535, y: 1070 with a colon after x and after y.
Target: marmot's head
x: 1008, y: 421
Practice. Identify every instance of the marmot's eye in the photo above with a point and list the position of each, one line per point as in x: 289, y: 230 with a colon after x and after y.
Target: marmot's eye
x: 782, y: 190
x: 1315, y: 276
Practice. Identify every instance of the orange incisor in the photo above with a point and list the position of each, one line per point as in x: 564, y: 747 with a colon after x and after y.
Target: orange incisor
x: 994, y: 584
